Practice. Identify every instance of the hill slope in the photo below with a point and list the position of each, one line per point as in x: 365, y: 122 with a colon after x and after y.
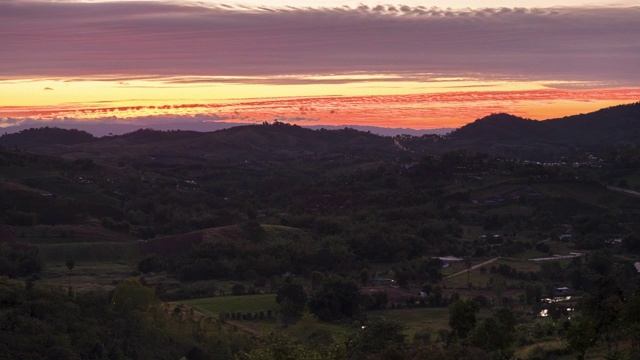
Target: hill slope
x: 612, y: 126
x: 497, y: 133
x: 33, y: 138
x: 277, y: 142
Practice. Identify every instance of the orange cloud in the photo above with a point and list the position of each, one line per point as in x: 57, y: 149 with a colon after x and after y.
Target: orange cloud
x: 420, y: 111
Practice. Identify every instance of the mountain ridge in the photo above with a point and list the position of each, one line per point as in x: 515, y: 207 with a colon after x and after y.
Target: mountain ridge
x: 100, y: 129
x: 612, y: 126
x: 499, y: 133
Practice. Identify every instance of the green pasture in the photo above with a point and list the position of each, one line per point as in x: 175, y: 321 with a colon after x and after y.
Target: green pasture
x: 589, y: 194
x: 87, y: 269
x: 19, y: 172
x: 525, y: 265
x: 529, y: 351
x: 475, y: 277
x: 528, y: 254
x: 478, y: 279
x: 419, y: 319
x: 89, y: 252
x: 454, y: 267
x: 90, y: 231
x: 309, y: 328
x: 67, y: 187
x: 234, y: 304
x: 85, y: 276
x: 562, y: 248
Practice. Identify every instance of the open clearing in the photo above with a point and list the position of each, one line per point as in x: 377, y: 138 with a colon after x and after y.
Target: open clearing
x: 111, y: 252
x: 233, y: 304
x: 416, y: 319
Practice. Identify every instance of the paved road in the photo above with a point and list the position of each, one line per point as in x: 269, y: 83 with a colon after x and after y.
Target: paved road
x: 473, y: 268
x: 624, y: 191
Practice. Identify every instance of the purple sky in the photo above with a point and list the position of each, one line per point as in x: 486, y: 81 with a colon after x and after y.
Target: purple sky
x: 375, y: 63
x: 161, y: 39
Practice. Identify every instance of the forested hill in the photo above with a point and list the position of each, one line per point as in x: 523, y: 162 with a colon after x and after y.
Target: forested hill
x: 280, y: 136
x: 612, y: 126
x: 502, y: 133
x: 497, y: 127
x: 31, y: 138
x: 263, y: 137
x: 277, y: 141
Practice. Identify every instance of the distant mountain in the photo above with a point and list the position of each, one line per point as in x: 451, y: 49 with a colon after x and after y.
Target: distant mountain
x: 497, y: 133
x: 386, y: 131
x: 145, y: 136
x: 278, y: 142
x: 497, y: 127
x: 612, y: 126
x: 31, y: 138
x: 100, y: 129
x: 284, y: 137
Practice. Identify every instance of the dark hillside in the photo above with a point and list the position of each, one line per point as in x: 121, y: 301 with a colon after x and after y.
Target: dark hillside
x: 615, y: 125
x: 31, y: 138
x: 282, y: 138
x: 276, y: 142
x: 504, y: 133
x: 497, y: 133
x: 144, y: 136
x: 497, y: 127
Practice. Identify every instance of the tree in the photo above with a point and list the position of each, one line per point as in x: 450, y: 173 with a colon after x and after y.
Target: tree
x: 289, y: 313
x: 462, y: 317
x: 379, y: 336
x: 253, y: 231
x: 316, y: 279
x: 533, y: 292
x: 237, y: 289
x: 468, y: 263
x: 70, y: 265
x: 291, y: 298
x: 152, y: 263
x: 631, y: 315
x: 130, y: 296
x: 279, y: 348
x: 581, y: 335
x: 496, y: 334
x: 365, y: 276
x: 336, y: 299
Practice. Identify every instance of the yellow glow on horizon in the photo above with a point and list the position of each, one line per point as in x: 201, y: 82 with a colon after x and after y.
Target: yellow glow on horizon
x: 48, y: 92
x: 340, y: 99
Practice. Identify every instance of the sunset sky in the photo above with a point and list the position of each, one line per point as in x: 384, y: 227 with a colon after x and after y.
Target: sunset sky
x: 416, y: 64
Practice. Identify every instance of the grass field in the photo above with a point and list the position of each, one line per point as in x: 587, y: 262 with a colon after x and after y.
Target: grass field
x: 113, y: 252
x: 590, y: 194
x: 86, y: 276
x: 416, y: 319
x: 20, y: 172
x: 529, y: 254
x: 530, y: 351
x: 307, y: 329
x: 478, y: 279
x: 230, y: 304
x: 525, y: 265
x: 562, y: 248
x: 90, y: 231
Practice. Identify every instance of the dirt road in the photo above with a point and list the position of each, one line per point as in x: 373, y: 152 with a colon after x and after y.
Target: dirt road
x: 472, y: 268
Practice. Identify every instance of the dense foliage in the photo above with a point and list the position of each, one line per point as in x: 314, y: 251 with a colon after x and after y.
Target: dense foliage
x: 341, y: 227
x: 127, y: 323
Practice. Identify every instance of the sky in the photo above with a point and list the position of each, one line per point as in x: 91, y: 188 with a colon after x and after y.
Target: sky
x: 415, y: 64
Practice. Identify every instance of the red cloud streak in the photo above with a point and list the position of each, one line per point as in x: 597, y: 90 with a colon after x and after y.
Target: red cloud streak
x: 416, y: 111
